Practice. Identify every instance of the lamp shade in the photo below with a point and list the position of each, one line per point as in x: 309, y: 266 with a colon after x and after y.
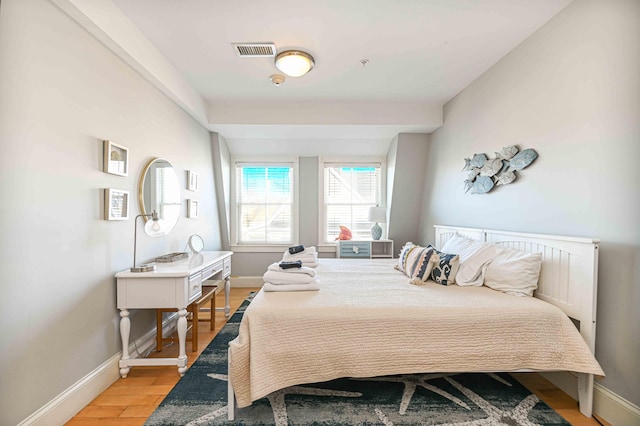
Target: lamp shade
x: 294, y: 63
x: 378, y: 214
x: 155, y: 227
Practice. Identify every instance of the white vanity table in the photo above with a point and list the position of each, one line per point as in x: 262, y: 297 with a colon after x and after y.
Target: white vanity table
x: 171, y: 285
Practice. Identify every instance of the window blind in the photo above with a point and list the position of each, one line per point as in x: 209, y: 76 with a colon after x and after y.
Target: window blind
x: 264, y: 197
x: 350, y: 189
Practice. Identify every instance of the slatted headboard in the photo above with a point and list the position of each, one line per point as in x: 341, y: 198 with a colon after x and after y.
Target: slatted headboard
x: 569, y: 274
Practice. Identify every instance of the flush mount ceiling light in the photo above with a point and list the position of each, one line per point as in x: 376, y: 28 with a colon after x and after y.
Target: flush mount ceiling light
x: 294, y: 63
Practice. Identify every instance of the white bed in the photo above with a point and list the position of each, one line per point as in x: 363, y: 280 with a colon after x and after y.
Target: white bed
x: 367, y: 320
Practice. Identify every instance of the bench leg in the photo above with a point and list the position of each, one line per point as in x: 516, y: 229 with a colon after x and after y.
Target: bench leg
x: 158, y: 330
x: 213, y: 311
x: 194, y: 328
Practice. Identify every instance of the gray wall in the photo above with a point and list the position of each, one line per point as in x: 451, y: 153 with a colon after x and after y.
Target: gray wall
x: 571, y: 92
x: 308, y: 197
x: 406, y: 171
x: 62, y: 92
x: 222, y: 176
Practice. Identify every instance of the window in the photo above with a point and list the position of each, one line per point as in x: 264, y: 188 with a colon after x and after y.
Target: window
x: 349, y: 190
x: 264, y: 203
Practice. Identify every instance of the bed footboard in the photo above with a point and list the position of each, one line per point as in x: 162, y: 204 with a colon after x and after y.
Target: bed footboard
x: 231, y: 402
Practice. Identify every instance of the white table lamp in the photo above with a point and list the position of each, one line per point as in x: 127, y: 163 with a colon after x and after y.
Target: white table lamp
x: 377, y: 215
x: 155, y: 227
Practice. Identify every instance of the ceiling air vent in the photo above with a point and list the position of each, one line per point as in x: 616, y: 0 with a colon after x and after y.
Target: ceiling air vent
x: 254, y: 50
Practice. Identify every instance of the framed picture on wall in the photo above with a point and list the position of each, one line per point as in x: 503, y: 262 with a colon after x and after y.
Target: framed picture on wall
x: 192, y: 180
x: 116, y: 204
x: 116, y: 159
x: 192, y: 209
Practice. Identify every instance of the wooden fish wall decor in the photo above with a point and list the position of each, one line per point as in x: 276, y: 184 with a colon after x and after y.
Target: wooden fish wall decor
x: 485, y: 174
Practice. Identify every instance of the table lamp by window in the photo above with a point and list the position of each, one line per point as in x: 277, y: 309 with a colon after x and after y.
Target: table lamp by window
x: 155, y: 227
x: 377, y: 215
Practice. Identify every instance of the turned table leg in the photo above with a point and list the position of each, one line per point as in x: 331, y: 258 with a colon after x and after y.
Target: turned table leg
x: 182, y: 337
x: 125, y: 327
x: 227, y: 294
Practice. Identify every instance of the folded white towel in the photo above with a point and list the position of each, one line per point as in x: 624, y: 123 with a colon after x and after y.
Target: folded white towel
x: 307, y: 251
x: 291, y: 287
x: 294, y: 257
x: 304, y: 270
x: 277, y: 277
x: 310, y: 260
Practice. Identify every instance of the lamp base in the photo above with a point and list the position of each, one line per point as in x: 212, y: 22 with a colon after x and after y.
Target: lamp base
x: 376, y: 231
x: 143, y: 268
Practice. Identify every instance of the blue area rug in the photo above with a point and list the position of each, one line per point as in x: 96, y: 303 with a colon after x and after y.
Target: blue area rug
x: 200, y: 398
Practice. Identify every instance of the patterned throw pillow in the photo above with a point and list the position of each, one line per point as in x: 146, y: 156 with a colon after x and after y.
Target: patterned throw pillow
x: 402, y: 259
x: 446, y: 267
x: 416, y: 262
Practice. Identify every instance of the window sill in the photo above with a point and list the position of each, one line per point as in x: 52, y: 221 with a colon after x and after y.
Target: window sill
x: 326, y: 248
x: 246, y: 248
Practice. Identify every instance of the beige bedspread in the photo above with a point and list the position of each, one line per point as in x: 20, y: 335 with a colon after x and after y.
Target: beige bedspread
x: 367, y: 321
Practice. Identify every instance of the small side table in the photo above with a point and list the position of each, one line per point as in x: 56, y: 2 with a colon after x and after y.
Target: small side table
x: 365, y: 249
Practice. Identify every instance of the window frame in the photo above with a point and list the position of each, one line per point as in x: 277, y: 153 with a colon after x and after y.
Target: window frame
x: 236, y: 162
x: 360, y: 161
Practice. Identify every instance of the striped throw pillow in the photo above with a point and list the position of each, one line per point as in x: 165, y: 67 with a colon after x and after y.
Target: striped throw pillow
x: 416, y: 262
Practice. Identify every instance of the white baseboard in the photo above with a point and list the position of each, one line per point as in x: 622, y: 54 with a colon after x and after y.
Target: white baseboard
x: 246, y: 282
x: 613, y: 408
x: 69, y: 403
x: 606, y: 404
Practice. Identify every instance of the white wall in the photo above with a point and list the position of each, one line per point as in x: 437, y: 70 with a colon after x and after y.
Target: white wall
x: 61, y: 93
x: 572, y: 93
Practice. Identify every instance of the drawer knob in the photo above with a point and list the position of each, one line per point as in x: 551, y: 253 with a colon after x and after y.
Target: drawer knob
x: 356, y: 249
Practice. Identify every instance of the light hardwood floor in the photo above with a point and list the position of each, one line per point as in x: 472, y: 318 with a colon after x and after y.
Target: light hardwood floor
x: 131, y: 401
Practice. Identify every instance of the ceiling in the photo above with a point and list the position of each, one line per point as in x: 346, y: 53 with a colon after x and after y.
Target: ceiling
x: 420, y: 53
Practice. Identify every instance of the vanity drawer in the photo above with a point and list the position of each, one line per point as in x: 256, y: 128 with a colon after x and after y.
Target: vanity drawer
x: 211, y: 270
x: 194, y: 286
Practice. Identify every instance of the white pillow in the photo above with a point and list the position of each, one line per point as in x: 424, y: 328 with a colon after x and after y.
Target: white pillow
x: 474, y: 254
x: 514, y: 272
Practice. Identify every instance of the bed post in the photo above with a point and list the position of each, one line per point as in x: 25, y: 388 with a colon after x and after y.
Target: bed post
x: 585, y: 393
x: 231, y: 403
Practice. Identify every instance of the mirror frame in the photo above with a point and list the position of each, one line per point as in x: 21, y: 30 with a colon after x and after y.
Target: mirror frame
x: 196, y: 243
x: 141, y: 183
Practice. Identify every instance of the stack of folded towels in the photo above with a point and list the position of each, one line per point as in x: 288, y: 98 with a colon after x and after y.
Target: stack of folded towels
x: 307, y: 255
x: 293, y: 274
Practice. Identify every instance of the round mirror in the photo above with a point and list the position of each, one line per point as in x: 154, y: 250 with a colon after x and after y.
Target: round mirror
x: 159, y: 191
x: 196, y: 243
